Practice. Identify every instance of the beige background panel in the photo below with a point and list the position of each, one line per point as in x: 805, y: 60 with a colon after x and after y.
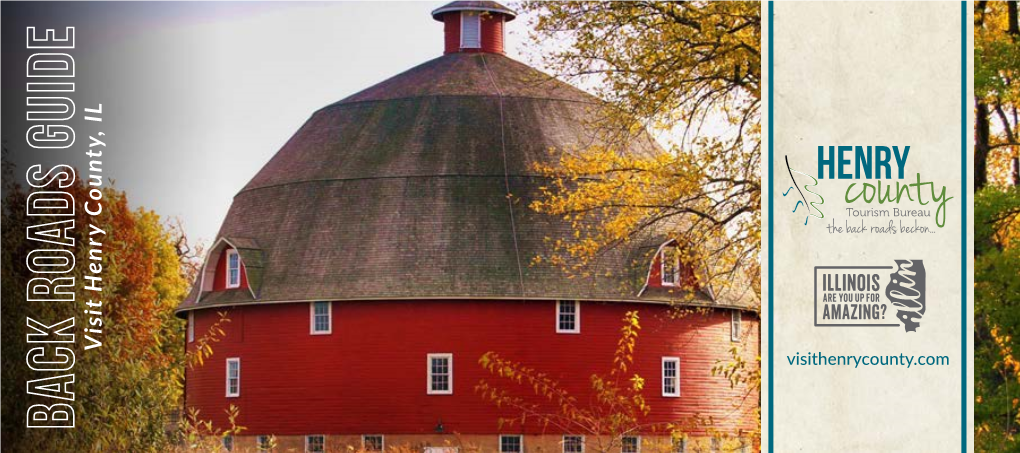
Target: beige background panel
x: 867, y: 74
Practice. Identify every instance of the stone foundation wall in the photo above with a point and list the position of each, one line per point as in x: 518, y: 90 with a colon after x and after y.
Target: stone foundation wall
x: 411, y: 443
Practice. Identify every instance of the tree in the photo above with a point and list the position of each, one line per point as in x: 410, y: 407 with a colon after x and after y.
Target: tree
x: 996, y: 225
x: 690, y: 73
x: 996, y: 69
x: 128, y: 389
x: 997, y: 318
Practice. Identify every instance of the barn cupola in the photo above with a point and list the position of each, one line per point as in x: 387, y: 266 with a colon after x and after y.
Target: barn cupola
x: 473, y: 26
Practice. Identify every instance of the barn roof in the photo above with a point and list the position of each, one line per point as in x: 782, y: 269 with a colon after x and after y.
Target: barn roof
x: 400, y: 191
x: 490, y: 7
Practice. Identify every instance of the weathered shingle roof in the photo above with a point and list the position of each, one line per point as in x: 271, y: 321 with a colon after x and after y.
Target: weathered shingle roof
x: 400, y: 191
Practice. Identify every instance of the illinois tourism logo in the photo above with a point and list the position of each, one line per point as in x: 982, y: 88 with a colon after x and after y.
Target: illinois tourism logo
x: 871, y: 296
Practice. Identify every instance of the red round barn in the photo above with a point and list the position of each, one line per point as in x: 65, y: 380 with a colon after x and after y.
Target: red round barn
x: 388, y: 245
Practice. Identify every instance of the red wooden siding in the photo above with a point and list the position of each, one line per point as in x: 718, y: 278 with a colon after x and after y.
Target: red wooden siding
x: 491, y: 36
x: 451, y: 33
x: 492, y: 33
x: 220, y: 281
x: 369, y: 375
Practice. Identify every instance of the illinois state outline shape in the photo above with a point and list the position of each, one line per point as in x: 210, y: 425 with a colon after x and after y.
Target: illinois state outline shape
x: 906, y: 292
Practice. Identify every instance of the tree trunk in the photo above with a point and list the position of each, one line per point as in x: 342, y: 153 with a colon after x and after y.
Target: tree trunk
x: 982, y: 129
x: 982, y: 134
x: 1014, y: 26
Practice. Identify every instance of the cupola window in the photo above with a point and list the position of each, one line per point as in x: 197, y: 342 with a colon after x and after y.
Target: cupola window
x: 470, y: 30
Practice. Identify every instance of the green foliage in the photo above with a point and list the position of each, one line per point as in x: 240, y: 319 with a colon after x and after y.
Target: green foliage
x: 128, y: 390
x: 997, y: 318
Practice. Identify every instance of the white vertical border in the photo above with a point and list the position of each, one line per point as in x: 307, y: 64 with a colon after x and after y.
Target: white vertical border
x: 764, y: 345
x: 968, y: 148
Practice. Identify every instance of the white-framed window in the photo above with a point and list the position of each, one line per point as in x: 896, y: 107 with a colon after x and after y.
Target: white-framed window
x: 573, y: 444
x: 680, y: 444
x: 191, y: 326
x: 233, y: 269
x: 228, y: 443
x: 440, y: 372
x: 670, y: 261
x: 373, y: 442
x: 315, y: 443
x: 321, y: 318
x: 735, y: 325
x: 630, y: 444
x: 511, y: 444
x: 263, y: 443
x: 470, y: 30
x: 671, y: 376
x: 233, y: 377
x: 568, y: 316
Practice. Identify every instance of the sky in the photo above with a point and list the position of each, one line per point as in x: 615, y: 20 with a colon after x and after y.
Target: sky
x: 199, y: 96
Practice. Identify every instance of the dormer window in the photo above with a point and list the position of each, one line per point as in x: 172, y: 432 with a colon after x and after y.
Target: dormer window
x: 735, y: 325
x: 670, y: 259
x: 233, y: 269
x: 232, y: 264
x: 470, y: 30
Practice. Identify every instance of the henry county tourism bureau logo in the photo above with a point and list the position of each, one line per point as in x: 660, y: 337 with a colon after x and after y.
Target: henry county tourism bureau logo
x: 865, y: 168
x: 871, y: 295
